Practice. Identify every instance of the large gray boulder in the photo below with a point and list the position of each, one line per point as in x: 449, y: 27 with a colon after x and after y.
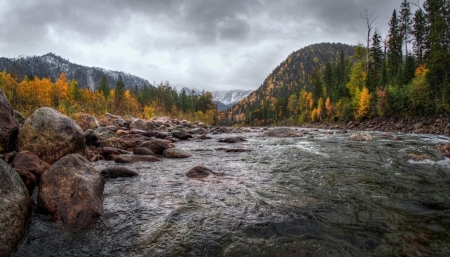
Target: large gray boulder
x: 15, y: 206
x: 51, y: 135
x: 71, y: 191
x: 9, y: 126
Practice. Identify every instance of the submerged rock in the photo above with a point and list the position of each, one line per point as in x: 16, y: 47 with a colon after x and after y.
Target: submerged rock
x: 71, y: 191
x: 360, y: 136
x: 118, y: 171
x: 176, y: 153
x: 15, y: 206
x: 281, y: 132
x: 51, y: 135
x: 201, y: 172
x: 232, y: 140
x: 131, y: 158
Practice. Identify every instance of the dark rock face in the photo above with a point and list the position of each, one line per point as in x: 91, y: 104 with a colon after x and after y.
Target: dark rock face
x: 29, y: 179
x: 156, y: 145
x: 71, y: 191
x: 232, y: 140
x: 9, y: 126
x: 15, y: 206
x: 131, y: 158
x: 118, y: 171
x: 51, y: 135
x: 30, y: 162
x: 281, y: 132
x: 176, y: 153
x: 91, y: 137
x: 360, y: 136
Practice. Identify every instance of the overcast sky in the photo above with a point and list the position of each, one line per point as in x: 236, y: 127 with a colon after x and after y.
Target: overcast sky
x: 204, y: 44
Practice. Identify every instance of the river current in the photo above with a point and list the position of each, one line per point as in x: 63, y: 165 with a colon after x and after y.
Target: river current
x: 317, y: 195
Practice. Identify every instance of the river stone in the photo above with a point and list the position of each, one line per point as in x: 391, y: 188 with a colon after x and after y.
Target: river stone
x: 131, y: 158
x: 133, y: 140
x: 51, y: 135
x: 237, y: 150
x: 113, y: 142
x: 231, y: 140
x: 91, y: 137
x: 142, y: 132
x: 115, y: 120
x: 104, y: 133
x: 199, y: 172
x: 9, y: 126
x: 19, y: 117
x: 118, y: 171
x: 15, y: 206
x: 143, y: 151
x: 281, y: 132
x: 139, y: 124
x: 180, y: 135
x: 176, y: 153
x: 30, y: 162
x: 200, y: 131
x: 71, y: 191
x: 86, y: 121
x: 157, y: 145
x: 109, y: 153
x: 360, y: 136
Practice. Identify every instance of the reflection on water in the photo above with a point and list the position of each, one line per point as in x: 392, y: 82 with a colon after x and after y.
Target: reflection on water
x: 319, y: 195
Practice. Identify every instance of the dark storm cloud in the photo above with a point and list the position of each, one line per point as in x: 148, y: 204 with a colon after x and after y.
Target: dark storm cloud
x: 201, y: 43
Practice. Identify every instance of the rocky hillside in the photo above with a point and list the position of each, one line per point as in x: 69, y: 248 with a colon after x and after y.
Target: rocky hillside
x: 51, y: 65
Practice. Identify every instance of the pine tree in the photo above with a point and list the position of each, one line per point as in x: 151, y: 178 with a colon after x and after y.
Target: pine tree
x: 119, y: 95
x: 419, y: 34
x: 394, y: 53
x: 405, y: 24
x: 376, y: 63
x: 104, y: 87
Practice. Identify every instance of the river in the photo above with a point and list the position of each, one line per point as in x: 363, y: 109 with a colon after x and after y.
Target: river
x: 317, y: 195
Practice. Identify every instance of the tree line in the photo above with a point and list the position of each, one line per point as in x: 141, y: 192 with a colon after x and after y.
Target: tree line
x: 68, y: 98
x: 406, y: 72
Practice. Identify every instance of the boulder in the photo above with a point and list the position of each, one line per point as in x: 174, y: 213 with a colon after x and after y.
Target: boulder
x: 86, y: 121
x: 71, y: 191
x: 200, y: 131
x: 131, y: 158
x: 139, y: 124
x: 114, y: 120
x: 9, y: 126
x: 360, y: 136
x: 143, y: 132
x: 237, y: 150
x: 118, y: 171
x: 281, y: 132
x: 51, y: 135
x: 109, y: 153
x: 176, y: 153
x: 15, y: 206
x: 104, y: 133
x: 133, y: 140
x: 30, y: 162
x: 232, y: 140
x: 19, y: 117
x: 91, y: 137
x: 156, y: 145
x: 29, y: 179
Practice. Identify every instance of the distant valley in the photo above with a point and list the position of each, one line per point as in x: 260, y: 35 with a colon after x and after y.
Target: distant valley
x: 51, y: 66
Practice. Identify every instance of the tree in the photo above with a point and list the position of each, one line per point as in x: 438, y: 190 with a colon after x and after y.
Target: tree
x: 405, y: 24
x: 376, y: 63
x: 119, y: 95
x: 419, y: 34
x: 369, y: 22
x: 104, y: 87
x: 394, y: 53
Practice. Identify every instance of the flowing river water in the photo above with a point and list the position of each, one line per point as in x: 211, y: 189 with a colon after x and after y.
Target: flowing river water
x: 318, y: 195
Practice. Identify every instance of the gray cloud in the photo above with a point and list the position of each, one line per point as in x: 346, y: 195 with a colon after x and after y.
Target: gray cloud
x: 211, y: 44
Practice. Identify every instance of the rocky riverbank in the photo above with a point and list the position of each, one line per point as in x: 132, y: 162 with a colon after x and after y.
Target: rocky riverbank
x: 54, y: 153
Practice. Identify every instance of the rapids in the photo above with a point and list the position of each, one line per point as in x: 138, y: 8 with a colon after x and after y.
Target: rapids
x: 318, y: 195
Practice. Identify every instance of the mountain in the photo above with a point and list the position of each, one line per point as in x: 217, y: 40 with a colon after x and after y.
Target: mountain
x: 226, y: 98
x: 269, y: 102
x: 188, y: 91
x: 51, y: 65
